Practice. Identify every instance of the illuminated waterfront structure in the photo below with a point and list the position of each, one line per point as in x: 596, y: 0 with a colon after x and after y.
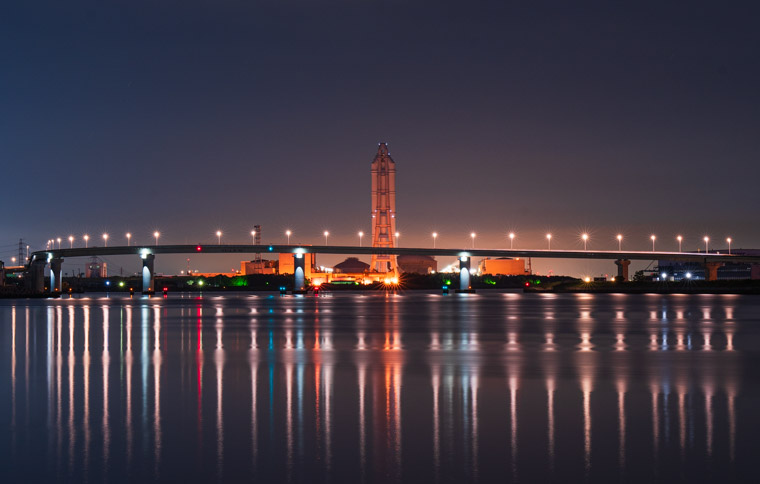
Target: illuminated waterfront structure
x: 383, y: 209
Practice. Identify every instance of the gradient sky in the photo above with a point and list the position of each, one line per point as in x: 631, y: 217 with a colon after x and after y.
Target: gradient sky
x: 186, y: 117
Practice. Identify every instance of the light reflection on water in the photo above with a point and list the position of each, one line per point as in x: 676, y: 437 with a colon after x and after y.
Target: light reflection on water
x: 364, y: 388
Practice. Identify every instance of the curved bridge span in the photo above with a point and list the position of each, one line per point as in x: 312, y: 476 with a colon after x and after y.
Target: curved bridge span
x: 147, y: 253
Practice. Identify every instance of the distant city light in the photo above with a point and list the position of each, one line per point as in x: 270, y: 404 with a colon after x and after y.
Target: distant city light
x: 688, y: 275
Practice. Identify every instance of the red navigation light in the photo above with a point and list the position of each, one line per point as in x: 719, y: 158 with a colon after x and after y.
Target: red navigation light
x: 166, y: 289
x: 198, y: 248
x: 527, y: 284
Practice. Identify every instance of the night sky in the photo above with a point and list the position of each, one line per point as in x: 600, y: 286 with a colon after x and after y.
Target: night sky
x: 188, y: 117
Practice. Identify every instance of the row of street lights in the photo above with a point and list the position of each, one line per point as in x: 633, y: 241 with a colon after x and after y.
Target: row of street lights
x: 473, y: 235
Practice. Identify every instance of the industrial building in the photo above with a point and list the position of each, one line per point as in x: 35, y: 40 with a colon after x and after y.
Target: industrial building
x: 502, y: 267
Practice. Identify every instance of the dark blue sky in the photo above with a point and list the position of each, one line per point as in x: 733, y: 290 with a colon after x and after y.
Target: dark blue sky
x: 535, y: 116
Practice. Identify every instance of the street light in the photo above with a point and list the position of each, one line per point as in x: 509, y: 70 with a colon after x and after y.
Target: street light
x: 156, y: 234
x: 253, y: 237
x: 86, y: 238
x: 653, y: 239
x: 549, y: 240
x: 71, y: 241
x: 585, y: 240
x: 326, y: 234
x: 105, y: 240
x: 129, y: 239
x: 287, y: 234
x: 729, y: 245
x: 472, y: 236
x: 707, y: 242
x: 679, y: 239
x: 620, y: 242
x: 13, y: 260
x: 361, y: 234
x: 435, y: 236
x: 219, y: 237
x: 396, y: 235
x: 511, y: 240
x: 59, y: 242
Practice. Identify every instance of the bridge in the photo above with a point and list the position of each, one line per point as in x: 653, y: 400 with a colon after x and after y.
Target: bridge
x: 147, y: 253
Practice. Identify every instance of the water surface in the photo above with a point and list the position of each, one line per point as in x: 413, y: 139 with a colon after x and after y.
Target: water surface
x: 375, y: 387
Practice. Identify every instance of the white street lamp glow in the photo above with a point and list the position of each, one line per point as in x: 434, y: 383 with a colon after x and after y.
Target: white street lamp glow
x: 707, y: 242
x: 219, y: 237
x: 396, y: 235
x: 326, y: 233
x: 129, y: 239
x: 549, y: 240
x: 253, y: 237
x: 472, y: 236
x: 620, y: 242
x: 86, y: 238
x: 156, y: 234
x: 679, y: 239
x: 435, y: 236
x: 105, y: 239
x: 59, y: 242
x: 729, y: 245
x: 511, y: 240
x: 287, y: 234
x: 585, y: 240
x: 71, y: 241
x: 653, y: 239
x: 361, y: 234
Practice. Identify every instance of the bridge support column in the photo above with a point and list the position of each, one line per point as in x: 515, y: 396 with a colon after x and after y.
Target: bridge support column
x: 299, y: 273
x: 711, y: 270
x: 36, y: 276
x: 147, y: 273
x: 622, y: 266
x: 464, y: 275
x: 56, y: 284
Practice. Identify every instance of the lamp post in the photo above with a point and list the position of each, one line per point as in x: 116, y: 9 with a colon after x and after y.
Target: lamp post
x: 549, y: 240
x: 585, y: 241
x: 219, y: 237
x: 105, y: 240
x: 361, y: 234
x: 707, y: 242
x: 511, y: 240
x: 729, y: 245
x: 435, y: 236
x: 653, y: 239
x: 71, y: 241
x: 129, y: 239
x: 396, y: 235
x: 287, y: 234
x: 620, y: 242
x: 472, y: 236
x: 679, y: 239
x: 253, y: 237
x: 59, y: 242
x: 326, y: 234
x: 156, y: 234
x: 86, y: 238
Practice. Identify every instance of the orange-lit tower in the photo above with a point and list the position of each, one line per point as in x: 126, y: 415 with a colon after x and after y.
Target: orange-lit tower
x: 383, y: 208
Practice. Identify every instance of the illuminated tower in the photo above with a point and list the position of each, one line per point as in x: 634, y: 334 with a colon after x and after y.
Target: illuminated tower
x: 383, y: 208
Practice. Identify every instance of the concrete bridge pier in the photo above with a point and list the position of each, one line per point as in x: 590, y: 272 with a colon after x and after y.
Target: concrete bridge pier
x: 711, y: 270
x: 299, y: 264
x: 148, y: 283
x: 56, y: 285
x: 37, y: 276
x: 464, y: 275
x: 622, y: 265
